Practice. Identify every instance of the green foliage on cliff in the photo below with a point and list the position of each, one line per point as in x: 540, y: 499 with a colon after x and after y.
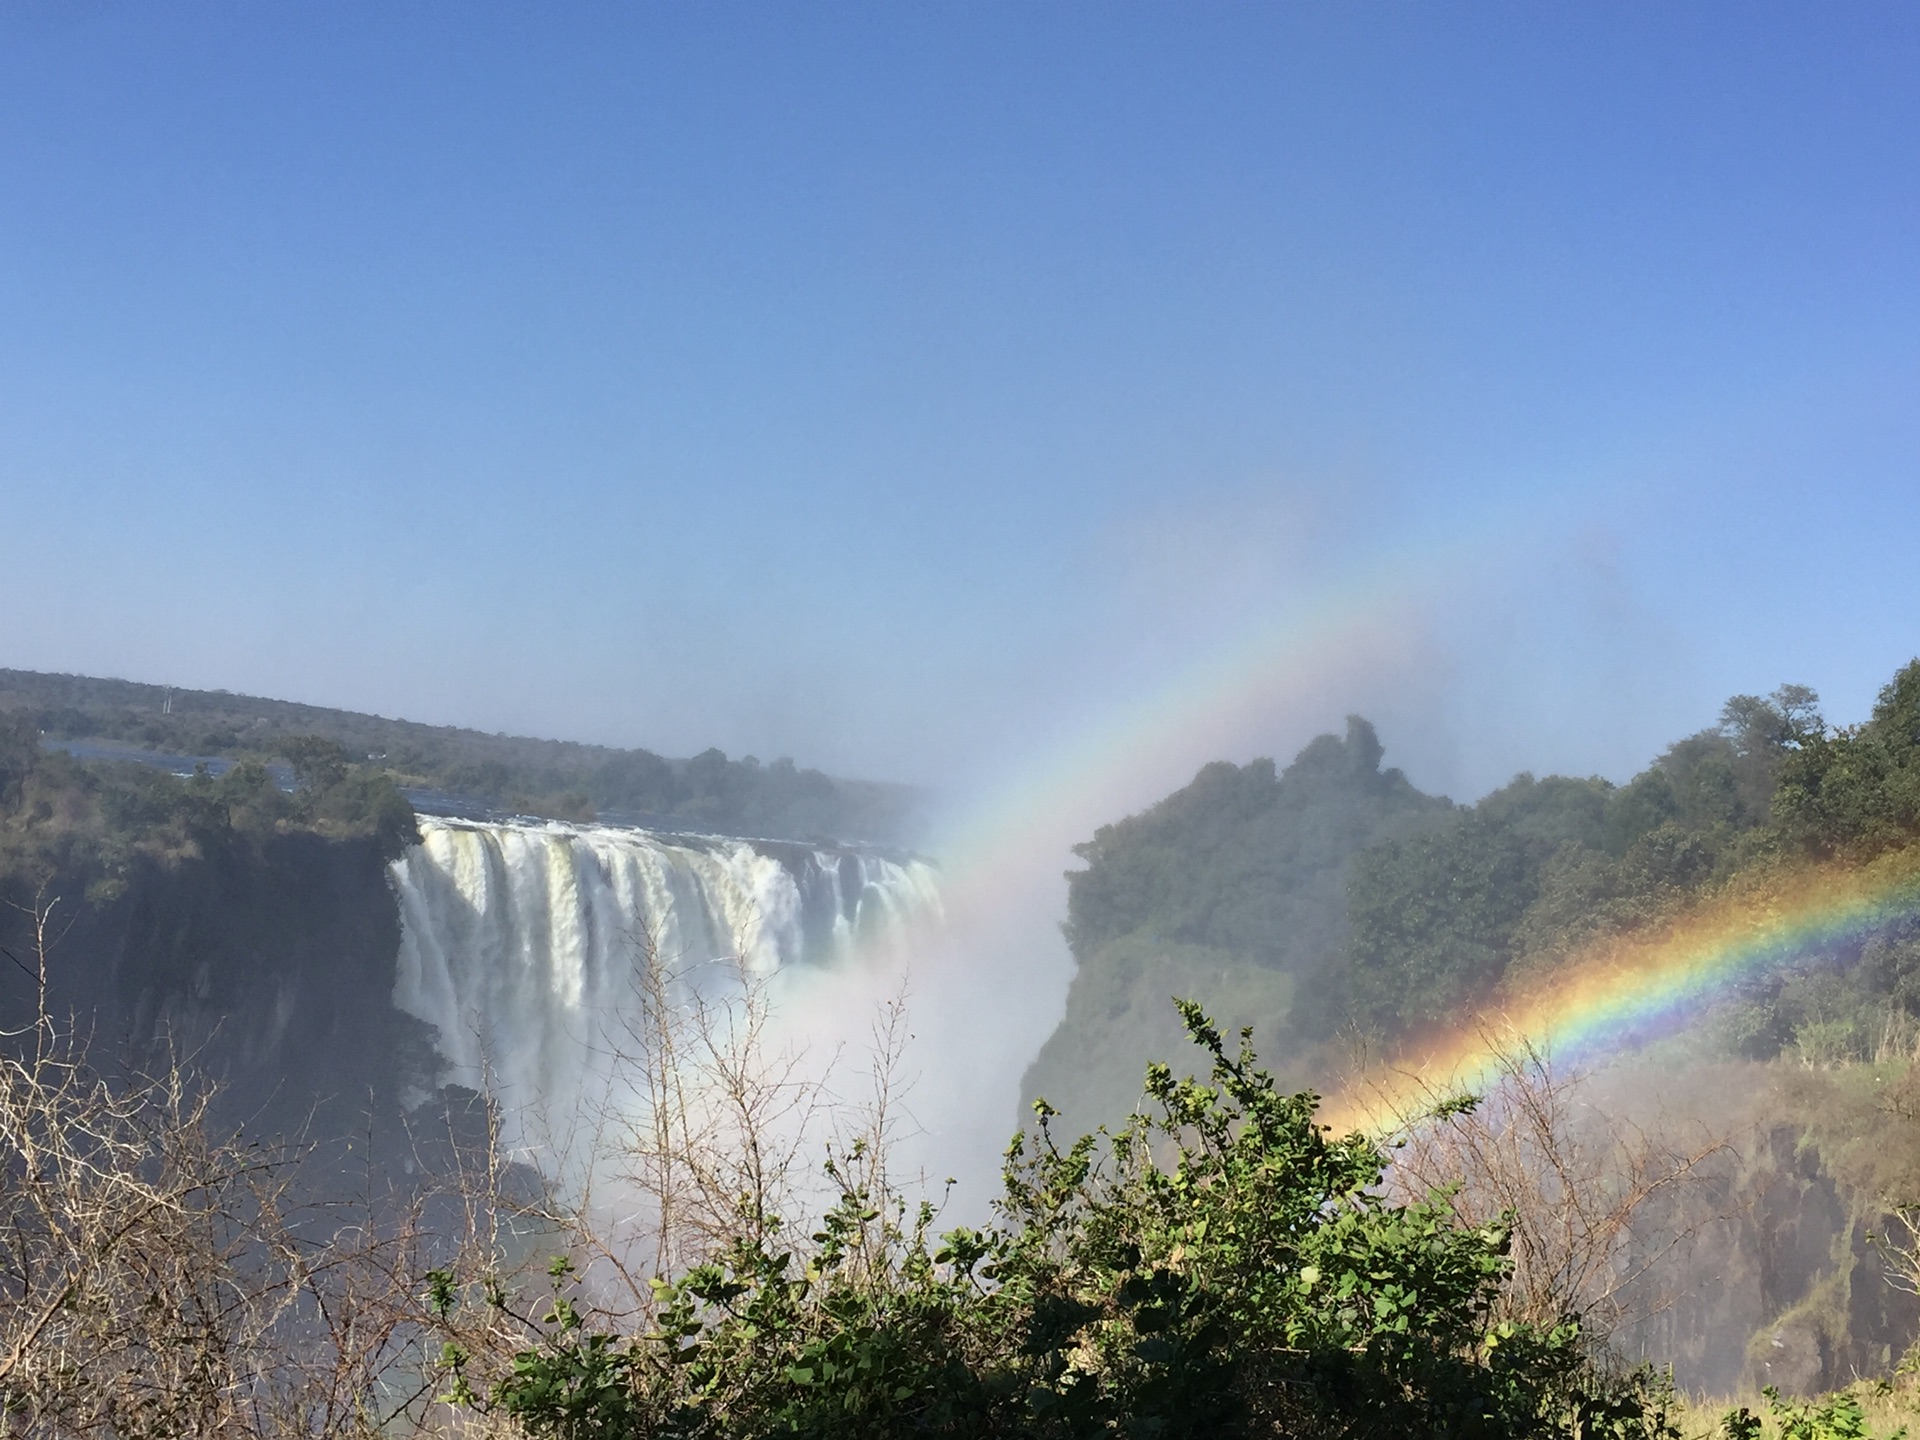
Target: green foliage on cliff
x: 87, y: 822
x: 1243, y: 858
x: 707, y: 791
x: 1539, y: 869
x: 1335, y: 897
x: 1231, y: 890
x: 1855, y: 792
x: 1434, y: 915
x: 1220, y: 1267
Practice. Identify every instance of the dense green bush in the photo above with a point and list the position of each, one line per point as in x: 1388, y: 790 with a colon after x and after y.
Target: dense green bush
x: 1221, y: 1266
x: 1855, y: 792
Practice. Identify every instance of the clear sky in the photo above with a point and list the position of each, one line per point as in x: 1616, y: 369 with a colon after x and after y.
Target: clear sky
x: 908, y: 387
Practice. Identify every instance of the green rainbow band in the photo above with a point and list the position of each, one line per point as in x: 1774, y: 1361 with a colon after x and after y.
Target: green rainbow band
x: 1592, y: 1004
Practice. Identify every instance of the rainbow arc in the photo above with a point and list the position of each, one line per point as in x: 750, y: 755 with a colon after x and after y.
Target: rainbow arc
x: 1619, y: 992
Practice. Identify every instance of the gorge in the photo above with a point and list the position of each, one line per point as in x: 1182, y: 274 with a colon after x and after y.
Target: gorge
x: 339, y: 958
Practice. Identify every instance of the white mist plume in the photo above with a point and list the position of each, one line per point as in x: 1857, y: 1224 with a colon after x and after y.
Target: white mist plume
x: 521, y: 945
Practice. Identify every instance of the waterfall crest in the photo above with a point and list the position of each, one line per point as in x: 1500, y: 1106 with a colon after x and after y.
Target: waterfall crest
x: 521, y: 941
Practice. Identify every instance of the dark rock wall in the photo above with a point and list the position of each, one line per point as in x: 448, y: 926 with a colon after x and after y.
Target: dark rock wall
x: 1777, y: 1283
x: 270, y: 965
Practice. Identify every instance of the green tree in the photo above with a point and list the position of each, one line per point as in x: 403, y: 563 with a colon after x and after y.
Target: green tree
x: 1433, y: 919
x: 19, y: 751
x: 318, y: 763
x: 1855, y: 792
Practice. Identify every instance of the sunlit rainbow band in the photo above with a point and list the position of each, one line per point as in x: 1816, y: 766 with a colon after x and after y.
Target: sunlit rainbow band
x: 1614, y: 994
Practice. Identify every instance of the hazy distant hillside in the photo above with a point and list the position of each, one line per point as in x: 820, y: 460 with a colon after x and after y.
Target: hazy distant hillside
x: 555, y: 777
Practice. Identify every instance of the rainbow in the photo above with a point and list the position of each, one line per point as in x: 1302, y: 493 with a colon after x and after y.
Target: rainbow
x: 1274, y: 674
x: 1611, y: 994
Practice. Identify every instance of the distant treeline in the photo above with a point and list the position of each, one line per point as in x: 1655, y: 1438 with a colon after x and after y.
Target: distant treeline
x: 548, y: 777
x: 1333, y: 902
x: 66, y: 822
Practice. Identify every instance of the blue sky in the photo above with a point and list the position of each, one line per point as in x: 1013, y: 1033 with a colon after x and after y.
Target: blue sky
x: 904, y: 387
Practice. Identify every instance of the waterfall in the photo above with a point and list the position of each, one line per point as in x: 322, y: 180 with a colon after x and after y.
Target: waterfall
x: 521, y: 941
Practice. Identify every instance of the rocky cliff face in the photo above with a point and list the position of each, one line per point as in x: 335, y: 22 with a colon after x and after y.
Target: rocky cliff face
x: 270, y: 964
x: 273, y: 965
x: 1835, y: 1310
x: 1778, y: 1281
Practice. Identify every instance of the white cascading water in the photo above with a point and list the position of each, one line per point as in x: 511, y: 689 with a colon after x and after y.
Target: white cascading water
x: 521, y: 942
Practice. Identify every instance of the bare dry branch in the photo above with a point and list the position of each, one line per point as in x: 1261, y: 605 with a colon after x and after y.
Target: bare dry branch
x: 1594, y: 1202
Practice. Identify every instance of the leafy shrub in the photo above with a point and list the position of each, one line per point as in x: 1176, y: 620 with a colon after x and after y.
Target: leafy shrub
x: 1220, y: 1266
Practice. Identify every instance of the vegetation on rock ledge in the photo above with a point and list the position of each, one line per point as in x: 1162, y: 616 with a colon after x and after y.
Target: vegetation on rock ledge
x: 1221, y: 1266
